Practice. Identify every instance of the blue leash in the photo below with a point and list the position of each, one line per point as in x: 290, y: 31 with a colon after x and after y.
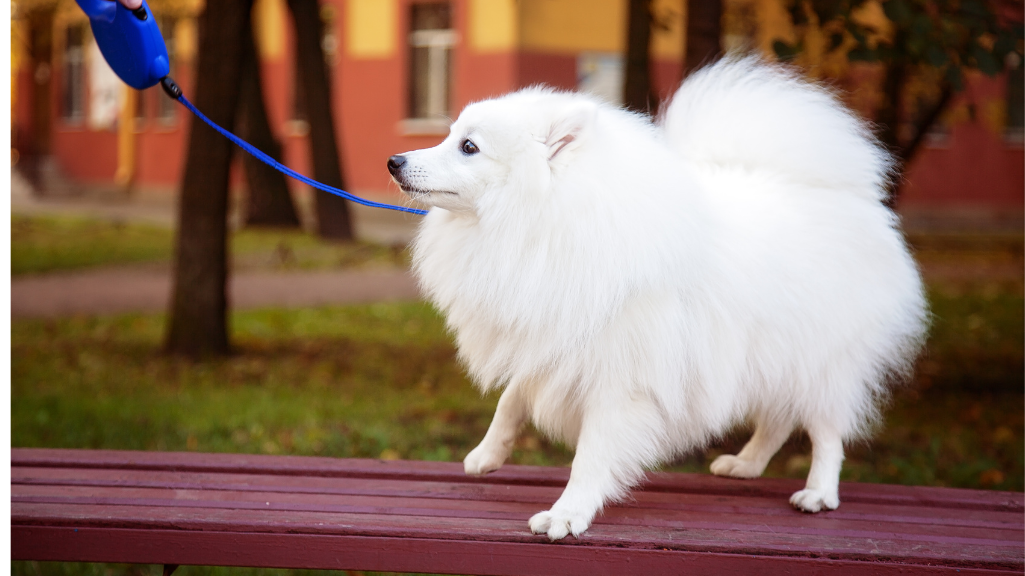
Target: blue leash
x: 175, y: 92
x: 131, y: 42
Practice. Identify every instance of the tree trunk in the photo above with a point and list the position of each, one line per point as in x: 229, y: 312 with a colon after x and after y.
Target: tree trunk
x: 888, y: 122
x: 198, y: 323
x: 703, y: 38
x: 333, y: 218
x: 888, y: 116
x: 924, y: 125
x: 269, y: 202
x: 637, y: 93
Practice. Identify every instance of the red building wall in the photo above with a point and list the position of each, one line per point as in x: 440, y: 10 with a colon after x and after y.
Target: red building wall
x: 974, y: 165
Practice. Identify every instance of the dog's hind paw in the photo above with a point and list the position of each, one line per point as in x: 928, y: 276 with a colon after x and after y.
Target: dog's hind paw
x: 735, y: 467
x: 480, y: 460
x: 558, y: 525
x: 809, y: 500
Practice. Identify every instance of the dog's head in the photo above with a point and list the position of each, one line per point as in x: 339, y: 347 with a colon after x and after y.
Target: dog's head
x: 503, y: 150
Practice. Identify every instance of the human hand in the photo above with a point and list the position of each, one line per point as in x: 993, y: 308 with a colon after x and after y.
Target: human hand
x: 131, y: 4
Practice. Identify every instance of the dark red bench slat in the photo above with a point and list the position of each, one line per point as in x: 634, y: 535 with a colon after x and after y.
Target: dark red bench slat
x: 888, y: 528
x: 277, y: 501
x: 507, y: 475
x: 439, y: 556
x: 541, y: 496
x: 485, y: 531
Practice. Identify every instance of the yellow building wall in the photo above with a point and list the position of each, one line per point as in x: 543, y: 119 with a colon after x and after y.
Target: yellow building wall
x: 572, y: 26
x: 269, y: 18
x: 569, y: 26
x: 371, y: 28
x: 186, y: 39
x: 667, y: 35
x: 493, y: 26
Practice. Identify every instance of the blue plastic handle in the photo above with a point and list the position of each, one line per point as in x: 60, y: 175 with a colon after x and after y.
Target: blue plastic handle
x: 98, y: 9
x: 130, y: 41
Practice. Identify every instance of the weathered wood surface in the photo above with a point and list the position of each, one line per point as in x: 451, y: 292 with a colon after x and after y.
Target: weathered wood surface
x: 302, y: 512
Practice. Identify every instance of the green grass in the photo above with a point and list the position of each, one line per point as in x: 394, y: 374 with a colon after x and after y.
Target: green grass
x: 47, y: 244
x: 367, y: 381
x: 58, y: 243
x: 347, y: 382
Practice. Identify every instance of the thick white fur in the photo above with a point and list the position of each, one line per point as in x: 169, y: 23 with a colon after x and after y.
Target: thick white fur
x: 639, y: 289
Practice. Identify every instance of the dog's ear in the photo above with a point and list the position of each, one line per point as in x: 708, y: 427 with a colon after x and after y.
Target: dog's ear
x: 567, y: 129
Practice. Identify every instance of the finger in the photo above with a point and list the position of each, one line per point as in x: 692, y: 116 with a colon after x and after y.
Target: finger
x: 131, y: 4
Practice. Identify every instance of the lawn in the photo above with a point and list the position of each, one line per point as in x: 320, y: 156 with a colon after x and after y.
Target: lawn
x: 382, y: 381
x: 365, y: 381
x: 42, y: 244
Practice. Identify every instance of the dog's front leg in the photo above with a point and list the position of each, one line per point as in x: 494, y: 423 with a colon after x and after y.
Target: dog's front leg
x: 498, y: 443
x: 617, y: 442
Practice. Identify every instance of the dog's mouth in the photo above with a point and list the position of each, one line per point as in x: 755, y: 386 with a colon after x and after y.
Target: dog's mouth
x: 416, y: 193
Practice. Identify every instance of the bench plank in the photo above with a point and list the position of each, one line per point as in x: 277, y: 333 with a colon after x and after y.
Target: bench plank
x: 303, y: 512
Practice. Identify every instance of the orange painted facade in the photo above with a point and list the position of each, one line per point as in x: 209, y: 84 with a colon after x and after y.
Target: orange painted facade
x: 500, y: 45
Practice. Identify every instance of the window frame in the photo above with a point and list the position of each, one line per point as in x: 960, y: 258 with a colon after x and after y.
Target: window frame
x: 73, y: 76
x: 429, y: 91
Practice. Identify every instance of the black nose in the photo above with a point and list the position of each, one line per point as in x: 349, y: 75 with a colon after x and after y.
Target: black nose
x: 395, y: 164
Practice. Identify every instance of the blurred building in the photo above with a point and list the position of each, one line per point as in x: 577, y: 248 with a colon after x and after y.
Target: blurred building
x: 402, y: 68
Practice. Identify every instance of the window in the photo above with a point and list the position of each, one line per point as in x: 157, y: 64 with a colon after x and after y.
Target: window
x: 73, y: 97
x: 140, y: 107
x: 601, y: 74
x: 166, y: 108
x: 163, y: 108
x: 431, y: 39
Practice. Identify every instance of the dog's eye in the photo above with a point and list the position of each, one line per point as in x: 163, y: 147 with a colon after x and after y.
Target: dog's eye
x: 469, y: 148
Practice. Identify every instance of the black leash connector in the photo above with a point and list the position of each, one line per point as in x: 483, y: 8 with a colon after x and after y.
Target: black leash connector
x: 170, y: 87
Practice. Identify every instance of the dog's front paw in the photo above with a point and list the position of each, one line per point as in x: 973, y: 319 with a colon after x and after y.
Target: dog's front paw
x: 557, y: 525
x: 809, y: 500
x: 481, y: 460
x: 735, y: 467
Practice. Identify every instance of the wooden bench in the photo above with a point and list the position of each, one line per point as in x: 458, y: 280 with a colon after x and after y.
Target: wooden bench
x: 301, y: 512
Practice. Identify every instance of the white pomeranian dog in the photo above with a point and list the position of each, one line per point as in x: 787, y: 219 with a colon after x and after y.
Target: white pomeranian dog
x: 637, y: 289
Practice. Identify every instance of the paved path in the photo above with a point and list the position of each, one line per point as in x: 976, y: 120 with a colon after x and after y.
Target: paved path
x: 145, y: 289
x: 148, y: 288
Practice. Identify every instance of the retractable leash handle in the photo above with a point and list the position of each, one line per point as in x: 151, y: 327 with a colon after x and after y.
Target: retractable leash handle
x: 131, y: 42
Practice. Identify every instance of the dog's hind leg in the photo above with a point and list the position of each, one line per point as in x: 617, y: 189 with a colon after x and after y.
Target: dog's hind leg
x: 770, y: 434
x: 821, y: 489
x: 616, y: 442
x: 497, y: 444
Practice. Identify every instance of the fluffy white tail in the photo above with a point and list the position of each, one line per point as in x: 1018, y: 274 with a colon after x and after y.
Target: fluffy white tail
x: 747, y: 112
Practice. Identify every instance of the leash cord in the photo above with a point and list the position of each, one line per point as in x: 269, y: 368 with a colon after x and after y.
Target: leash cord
x: 172, y: 90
